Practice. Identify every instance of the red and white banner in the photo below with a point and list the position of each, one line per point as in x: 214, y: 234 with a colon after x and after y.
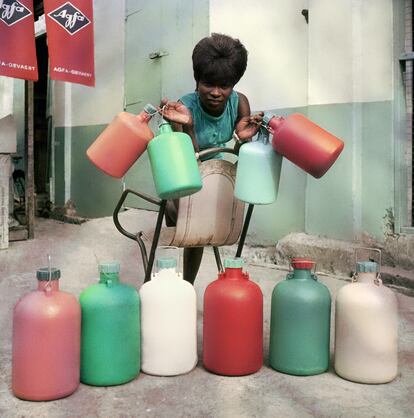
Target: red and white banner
x: 17, y: 40
x: 69, y: 27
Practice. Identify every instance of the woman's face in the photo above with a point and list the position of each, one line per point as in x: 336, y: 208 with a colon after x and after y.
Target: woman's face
x: 213, y: 96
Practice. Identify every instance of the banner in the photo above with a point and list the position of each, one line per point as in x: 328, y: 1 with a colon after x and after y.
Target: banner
x: 69, y: 28
x: 17, y: 40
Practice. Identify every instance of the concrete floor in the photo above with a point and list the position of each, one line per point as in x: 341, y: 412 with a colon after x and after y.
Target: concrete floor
x: 75, y: 248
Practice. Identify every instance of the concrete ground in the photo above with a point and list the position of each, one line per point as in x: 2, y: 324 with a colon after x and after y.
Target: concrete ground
x: 75, y: 250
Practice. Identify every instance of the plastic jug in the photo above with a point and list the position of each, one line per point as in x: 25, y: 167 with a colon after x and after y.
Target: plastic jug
x: 300, y: 322
x: 366, y: 333
x: 233, y: 323
x: 169, y: 322
x: 46, y: 341
x: 258, y: 171
x: 122, y: 142
x: 303, y: 142
x: 110, y: 344
x: 173, y: 163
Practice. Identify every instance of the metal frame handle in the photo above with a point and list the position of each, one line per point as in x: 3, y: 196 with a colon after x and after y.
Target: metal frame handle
x: 147, y: 263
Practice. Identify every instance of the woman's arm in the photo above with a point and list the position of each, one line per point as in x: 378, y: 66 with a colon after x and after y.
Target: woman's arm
x: 180, y: 117
x: 247, y: 125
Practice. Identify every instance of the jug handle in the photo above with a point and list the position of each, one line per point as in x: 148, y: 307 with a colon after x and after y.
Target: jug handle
x: 378, y: 280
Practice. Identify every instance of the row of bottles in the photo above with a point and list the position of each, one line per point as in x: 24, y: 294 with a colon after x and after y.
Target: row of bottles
x: 174, y: 165
x: 114, y: 332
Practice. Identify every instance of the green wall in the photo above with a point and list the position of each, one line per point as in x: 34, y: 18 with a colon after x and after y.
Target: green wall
x: 354, y: 195
x: 95, y: 194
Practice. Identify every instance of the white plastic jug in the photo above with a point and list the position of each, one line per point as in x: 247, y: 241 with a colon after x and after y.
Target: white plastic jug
x: 168, y: 322
x: 366, y: 328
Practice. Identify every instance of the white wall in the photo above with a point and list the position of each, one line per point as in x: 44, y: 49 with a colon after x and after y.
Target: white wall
x: 99, y: 104
x: 350, y: 51
x: 276, y: 35
x: 6, y: 96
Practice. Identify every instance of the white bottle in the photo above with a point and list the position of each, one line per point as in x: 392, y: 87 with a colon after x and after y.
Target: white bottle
x: 168, y: 322
x: 366, y: 328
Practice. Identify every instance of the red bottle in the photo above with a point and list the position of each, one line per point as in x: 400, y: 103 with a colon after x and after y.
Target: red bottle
x: 304, y: 143
x: 122, y: 142
x: 233, y: 323
x: 46, y: 341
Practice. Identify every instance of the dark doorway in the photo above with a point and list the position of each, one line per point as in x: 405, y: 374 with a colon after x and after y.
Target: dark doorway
x: 41, y: 135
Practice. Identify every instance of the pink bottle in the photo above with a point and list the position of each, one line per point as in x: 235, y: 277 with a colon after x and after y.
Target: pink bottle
x: 46, y: 341
x: 304, y: 143
x: 122, y: 142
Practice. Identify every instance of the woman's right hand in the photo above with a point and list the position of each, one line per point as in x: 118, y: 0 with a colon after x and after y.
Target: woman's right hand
x: 175, y: 112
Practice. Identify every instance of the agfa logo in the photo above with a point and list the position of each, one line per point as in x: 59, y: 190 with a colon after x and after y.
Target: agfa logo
x: 70, y: 18
x: 12, y: 11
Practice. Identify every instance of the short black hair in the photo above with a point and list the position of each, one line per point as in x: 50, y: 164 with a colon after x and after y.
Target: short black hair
x: 219, y: 58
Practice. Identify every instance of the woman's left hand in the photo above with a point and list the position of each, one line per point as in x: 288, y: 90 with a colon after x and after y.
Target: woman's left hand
x: 248, y: 126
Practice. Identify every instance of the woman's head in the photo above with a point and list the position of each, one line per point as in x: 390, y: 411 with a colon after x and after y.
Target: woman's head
x: 219, y: 59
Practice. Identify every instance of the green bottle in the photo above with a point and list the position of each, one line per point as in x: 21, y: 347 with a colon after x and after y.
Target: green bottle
x: 300, y: 322
x: 110, y: 339
x: 173, y: 163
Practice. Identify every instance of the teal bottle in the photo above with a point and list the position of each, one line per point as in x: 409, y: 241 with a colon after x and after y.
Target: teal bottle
x: 110, y: 339
x: 173, y: 163
x: 300, y: 322
x: 258, y: 171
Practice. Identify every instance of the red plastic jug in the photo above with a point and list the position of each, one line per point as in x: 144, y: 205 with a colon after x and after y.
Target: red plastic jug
x: 303, y: 142
x: 46, y: 341
x: 122, y: 142
x: 233, y: 323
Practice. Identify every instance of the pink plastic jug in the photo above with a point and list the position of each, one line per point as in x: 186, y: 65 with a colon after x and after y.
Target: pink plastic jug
x: 46, y: 341
x: 122, y: 142
x: 303, y: 142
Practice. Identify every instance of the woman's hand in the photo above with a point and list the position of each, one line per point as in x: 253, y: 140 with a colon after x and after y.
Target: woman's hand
x: 175, y: 112
x: 248, y: 126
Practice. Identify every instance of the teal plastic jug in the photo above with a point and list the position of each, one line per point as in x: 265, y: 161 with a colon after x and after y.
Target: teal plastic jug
x: 110, y: 342
x: 173, y: 163
x: 258, y: 171
x: 300, y: 322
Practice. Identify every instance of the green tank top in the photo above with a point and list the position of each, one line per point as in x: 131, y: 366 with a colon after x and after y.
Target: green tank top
x: 212, y: 131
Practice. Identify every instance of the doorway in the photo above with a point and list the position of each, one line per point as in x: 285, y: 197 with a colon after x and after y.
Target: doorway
x: 41, y: 132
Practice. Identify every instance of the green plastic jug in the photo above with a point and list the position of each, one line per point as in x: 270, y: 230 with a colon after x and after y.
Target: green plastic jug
x: 173, y: 163
x: 300, y: 322
x: 110, y: 340
x: 258, y: 171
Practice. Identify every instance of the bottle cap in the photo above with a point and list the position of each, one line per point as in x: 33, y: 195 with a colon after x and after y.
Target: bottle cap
x: 166, y: 263
x: 367, y: 267
x: 43, y: 273
x: 150, y: 109
x: 302, y: 263
x: 266, y: 118
x: 233, y: 263
x: 109, y: 267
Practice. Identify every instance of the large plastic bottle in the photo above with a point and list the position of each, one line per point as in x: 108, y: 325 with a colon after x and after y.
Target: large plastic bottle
x: 173, y: 163
x: 304, y: 143
x: 46, y: 341
x: 122, y: 142
x: 300, y: 322
x: 233, y: 323
x: 366, y: 328
x: 110, y: 345
x: 169, y: 322
x: 258, y: 171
